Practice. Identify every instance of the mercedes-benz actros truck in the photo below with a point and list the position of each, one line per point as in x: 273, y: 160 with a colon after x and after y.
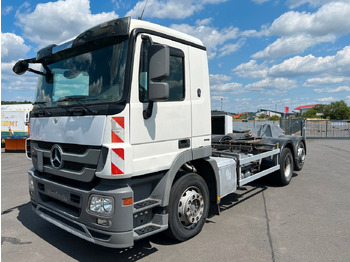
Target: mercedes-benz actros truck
x: 121, y: 137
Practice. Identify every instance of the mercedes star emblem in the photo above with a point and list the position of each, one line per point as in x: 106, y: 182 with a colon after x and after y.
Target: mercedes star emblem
x: 56, y: 156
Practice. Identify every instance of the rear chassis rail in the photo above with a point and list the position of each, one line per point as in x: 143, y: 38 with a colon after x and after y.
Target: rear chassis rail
x: 249, y: 154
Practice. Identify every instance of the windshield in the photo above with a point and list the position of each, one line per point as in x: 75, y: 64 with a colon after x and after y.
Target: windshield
x: 92, y: 77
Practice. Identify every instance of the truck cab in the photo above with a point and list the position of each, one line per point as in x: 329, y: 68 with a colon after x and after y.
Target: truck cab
x: 118, y: 110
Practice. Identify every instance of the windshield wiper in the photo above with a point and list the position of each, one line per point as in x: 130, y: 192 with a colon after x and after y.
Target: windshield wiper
x: 41, y: 103
x: 77, y: 99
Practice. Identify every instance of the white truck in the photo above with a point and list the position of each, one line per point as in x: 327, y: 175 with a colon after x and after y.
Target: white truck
x: 121, y: 141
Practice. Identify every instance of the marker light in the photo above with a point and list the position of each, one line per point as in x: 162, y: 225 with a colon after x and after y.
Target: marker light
x: 101, y: 205
x: 31, y: 183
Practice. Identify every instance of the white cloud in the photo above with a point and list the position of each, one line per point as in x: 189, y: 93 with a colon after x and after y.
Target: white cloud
x: 325, y: 80
x: 290, y: 45
x: 333, y: 90
x: 218, y: 79
x: 251, y: 70
x: 176, y: 9
x: 231, y: 48
x: 205, y: 21
x: 211, y: 37
x: 17, y: 87
x: 325, y: 99
x: 242, y: 100
x: 221, y: 83
x: 312, y: 3
x: 278, y: 85
x: 260, y: 1
x: 330, y: 18
x: 219, y: 98
x: 54, y: 22
x: 300, y: 30
x: 336, y: 66
x: 339, y: 64
x: 6, y: 10
x: 162, y: 9
x: 12, y: 47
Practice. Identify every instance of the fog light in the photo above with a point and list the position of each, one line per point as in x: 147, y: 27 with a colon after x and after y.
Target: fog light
x: 31, y: 183
x: 104, y: 222
x: 101, y: 205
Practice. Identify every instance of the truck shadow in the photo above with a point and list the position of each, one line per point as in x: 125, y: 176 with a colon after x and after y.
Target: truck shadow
x: 243, y: 194
x: 80, y: 249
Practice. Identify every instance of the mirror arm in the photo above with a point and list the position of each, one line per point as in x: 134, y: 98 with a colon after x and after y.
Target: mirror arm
x: 30, y: 60
x: 36, y: 71
x: 147, y: 113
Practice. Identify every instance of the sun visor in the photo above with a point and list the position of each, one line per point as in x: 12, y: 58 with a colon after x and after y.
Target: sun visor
x: 45, y: 52
x: 63, y: 46
x: 117, y: 27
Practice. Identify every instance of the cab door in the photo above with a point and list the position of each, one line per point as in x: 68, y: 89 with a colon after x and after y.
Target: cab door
x: 158, y: 140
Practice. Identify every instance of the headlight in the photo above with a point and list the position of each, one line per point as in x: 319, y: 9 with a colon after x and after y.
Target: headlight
x: 31, y: 183
x: 101, y: 205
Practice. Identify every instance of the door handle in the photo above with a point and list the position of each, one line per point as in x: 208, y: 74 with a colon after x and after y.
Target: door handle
x: 184, y: 143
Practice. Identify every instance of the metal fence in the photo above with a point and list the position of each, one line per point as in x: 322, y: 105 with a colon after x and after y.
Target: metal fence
x: 327, y: 129
x: 243, y: 125
x: 302, y: 127
x: 295, y: 126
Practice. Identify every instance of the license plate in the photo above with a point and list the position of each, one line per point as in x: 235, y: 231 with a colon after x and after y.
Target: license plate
x: 56, y: 193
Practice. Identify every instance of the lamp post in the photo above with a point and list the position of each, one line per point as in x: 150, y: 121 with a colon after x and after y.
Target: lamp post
x: 278, y: 102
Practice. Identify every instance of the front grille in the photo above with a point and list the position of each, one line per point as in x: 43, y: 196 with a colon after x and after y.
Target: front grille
x: 59, y: 205
x: 69, y: 148
x: 80, y: 162
x: 41, y: 187
x: 75, y: 198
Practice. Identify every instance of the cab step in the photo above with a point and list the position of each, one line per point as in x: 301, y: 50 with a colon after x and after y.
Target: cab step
x: 146, y: 204
x: 148, y: 230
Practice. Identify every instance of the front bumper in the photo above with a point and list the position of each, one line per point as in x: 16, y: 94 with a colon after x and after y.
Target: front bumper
x: 66, y: 207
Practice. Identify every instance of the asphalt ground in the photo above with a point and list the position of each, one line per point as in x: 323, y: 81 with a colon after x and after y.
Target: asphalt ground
x: 308, y: 220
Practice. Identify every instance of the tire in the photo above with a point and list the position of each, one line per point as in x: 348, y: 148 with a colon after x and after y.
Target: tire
x: 284, y: 175
x: 188, y: 207
x: 300, y: 159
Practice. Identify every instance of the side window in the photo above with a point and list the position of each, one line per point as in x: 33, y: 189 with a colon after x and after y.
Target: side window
x: 176, y: 79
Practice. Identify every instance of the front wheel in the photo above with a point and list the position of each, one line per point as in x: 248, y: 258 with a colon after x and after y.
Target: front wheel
x: 188, y: 207
x: 284, y: 175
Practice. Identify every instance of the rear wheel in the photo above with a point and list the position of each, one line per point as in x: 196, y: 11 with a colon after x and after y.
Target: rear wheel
x: 299, y: 163
x: 284, y: 175
x: 188, y: 207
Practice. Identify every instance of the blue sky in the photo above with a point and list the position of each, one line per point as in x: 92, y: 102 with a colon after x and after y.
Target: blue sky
x: 262, y: 53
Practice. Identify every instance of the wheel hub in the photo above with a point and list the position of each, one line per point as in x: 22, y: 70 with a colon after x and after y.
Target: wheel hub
x: 287, y: 167
x: 301, y: 154
x: 191, y: 207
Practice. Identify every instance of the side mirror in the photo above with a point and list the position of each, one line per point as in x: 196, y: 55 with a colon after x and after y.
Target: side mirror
x: 159, y: 69
x: 20, y: 67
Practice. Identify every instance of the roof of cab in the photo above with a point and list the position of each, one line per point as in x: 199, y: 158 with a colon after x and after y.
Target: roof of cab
x: 164, y: 30
x: 137, y: 24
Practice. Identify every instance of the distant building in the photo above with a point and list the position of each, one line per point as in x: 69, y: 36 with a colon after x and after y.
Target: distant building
x: 304, y: 109
x: 270, y: 113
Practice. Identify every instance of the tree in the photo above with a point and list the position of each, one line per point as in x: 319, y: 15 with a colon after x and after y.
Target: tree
x: 15, y: 102
x: 274, y: 118
x: 262, y: 116
x: 310, y: 113
x: 338, y: 110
